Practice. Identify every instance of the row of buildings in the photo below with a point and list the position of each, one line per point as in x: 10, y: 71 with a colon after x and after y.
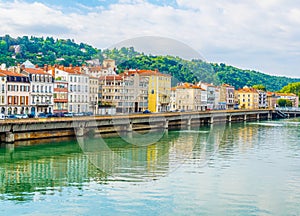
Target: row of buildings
x: 29, y: 89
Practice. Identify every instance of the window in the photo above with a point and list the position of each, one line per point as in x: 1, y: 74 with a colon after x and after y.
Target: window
x: 22, y: 100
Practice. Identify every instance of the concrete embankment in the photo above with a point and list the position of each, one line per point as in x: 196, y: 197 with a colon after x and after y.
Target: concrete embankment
x: 40, y: 128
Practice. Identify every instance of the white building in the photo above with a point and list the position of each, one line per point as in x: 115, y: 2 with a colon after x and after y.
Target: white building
x: 135, y: 95
x: 41, y: 93
x: 17, y: 93
x: 78, y: 90
x: 173, y: 99
x: 217, y: 98
x: 262, y: 99
x: 93, y: 94
x: 78, y: 87
x: 3, y: 97
x: 189, y: 97
x: 107, y: 68
x: 211, y: 94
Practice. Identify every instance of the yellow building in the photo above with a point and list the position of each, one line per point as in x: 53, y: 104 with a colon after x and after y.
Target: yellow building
x: 159, y: 89
x: 248, y: 98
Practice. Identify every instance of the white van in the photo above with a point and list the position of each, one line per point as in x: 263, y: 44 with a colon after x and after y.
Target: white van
x: 2, y: 116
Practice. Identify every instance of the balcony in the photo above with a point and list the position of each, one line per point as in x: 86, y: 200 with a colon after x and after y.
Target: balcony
x: 43, y: 103
x: 58, y: 100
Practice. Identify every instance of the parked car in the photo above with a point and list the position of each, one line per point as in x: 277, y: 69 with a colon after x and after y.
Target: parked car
x: 59, y: 114
x: 88, y: 113
x: 42, y: 115
x: 21, y: 116
x: 24, y: 115
x: 49, y: 115
x: 68, y: 114
x: 147, y: 111
x: 79, y: 114
x: 31, y: 115
x: 11, y: 117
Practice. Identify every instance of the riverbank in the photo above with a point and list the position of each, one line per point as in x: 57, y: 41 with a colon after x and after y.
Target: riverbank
x: 31, y: 129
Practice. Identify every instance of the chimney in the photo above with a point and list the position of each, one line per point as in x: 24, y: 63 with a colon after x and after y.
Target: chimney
x: 18, y: 69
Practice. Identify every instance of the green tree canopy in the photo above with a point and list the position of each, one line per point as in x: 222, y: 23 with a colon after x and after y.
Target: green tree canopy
x: 292, y: 88
x: 259, y: 87
x: 284, y: 103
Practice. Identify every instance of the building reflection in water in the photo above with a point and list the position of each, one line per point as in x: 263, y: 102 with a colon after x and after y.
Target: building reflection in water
x: 27, y: 169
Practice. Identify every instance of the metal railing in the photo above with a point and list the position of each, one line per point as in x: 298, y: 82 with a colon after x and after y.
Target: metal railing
x: 297, y: 109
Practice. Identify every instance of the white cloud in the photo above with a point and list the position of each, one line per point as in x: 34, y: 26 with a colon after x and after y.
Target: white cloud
x: 241, y: 33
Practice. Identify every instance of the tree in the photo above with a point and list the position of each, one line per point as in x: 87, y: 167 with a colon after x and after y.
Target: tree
x: 284, y: 103
x: 292, y: 88
x: 259, y: 87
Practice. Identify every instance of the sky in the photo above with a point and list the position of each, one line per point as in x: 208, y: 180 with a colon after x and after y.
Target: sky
x: 261, y: 35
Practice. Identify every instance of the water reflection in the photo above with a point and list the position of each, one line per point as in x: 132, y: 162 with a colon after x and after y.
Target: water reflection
x: 25, y: 170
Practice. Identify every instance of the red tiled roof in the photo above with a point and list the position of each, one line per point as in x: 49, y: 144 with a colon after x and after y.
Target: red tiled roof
x: 96, y: 68
x: 247, y: 90
x: 10, y: 73
x: 286, y: 94
x: 72, y: 70
x: 111, y: 77
x: 35, y: 71
x: 145, y: 73
x: 189, y: 86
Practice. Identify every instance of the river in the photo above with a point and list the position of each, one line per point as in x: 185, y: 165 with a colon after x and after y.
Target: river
x: 248, y: 168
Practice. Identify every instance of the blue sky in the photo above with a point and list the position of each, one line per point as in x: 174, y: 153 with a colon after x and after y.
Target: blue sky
x: 262, y: 35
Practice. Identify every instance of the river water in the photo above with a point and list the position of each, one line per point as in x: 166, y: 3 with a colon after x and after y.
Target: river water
x: 239, y: 169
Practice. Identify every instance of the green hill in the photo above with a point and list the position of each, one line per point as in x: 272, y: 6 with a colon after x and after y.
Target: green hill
x: 42, y: 51
x: 52, y: 51
x: 196, y: 70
